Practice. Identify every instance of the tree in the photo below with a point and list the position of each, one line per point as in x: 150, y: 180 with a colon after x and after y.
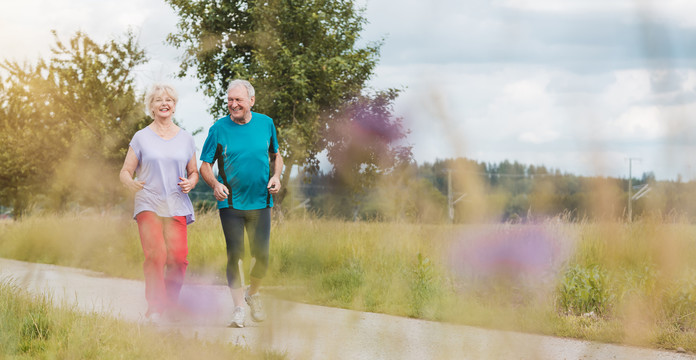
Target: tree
x: 302, y: 57
x: 25, y: 132
x: 67, y: 122
x: 96, y: 97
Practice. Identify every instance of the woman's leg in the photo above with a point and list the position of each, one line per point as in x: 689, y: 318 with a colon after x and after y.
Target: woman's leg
x: 155, y: 251
x: 177, y: 250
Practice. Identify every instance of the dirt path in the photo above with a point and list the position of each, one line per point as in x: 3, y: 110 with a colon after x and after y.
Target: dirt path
x: 307, y: 331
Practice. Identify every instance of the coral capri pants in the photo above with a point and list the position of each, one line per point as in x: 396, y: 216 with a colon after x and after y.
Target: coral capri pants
x: 165, y: 248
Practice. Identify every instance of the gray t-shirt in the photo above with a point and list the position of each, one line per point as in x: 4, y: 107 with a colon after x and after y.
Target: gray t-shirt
x: 160, y: 164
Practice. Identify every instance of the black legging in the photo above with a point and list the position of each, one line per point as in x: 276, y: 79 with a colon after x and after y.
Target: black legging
x: 258, y: 226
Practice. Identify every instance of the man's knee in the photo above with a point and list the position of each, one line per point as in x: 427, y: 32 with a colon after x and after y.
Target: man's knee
x: 260, y: 266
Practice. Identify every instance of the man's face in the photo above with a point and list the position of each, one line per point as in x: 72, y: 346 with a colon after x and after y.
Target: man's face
x: 239, y: 104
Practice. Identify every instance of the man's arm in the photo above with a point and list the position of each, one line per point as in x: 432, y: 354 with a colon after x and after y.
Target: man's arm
x: 274, y: 182
x: 220, y: 191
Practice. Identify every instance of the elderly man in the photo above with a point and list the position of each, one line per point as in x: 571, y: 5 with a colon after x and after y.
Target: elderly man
x: 244, y: 144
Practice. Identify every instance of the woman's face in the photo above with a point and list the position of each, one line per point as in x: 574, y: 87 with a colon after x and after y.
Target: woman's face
x: 162, y: 105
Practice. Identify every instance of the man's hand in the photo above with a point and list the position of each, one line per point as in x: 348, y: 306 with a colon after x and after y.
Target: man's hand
x: 274, y: 185
x: 220, y: 192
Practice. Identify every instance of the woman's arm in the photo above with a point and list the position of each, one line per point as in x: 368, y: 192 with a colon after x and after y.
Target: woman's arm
x: 127, y: 171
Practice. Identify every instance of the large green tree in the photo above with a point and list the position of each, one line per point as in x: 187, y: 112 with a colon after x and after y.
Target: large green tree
x: 65, y: 123
x: 26, y: 157
x: 302, y: 56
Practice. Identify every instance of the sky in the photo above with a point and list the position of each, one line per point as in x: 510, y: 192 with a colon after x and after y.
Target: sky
x: 586, y: 87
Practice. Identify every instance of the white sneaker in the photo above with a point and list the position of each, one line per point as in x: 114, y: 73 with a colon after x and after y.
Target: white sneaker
x: 256, y: 306
x: 237, y: 317
x: 154, y: 318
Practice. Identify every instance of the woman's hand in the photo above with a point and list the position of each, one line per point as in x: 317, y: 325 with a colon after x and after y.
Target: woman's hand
x: 135, y: 185
x: 185, y: 185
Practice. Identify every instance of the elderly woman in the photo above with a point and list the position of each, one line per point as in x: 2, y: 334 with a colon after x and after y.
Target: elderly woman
x: 163, y: 158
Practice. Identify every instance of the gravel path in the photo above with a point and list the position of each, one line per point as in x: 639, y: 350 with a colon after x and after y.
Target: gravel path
x: 306, y: 331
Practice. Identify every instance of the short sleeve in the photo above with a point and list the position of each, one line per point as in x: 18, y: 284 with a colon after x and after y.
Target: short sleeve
x: 273, y: 147
x: 210, y: 146
x: 192, y: 145
x: 136, y: 145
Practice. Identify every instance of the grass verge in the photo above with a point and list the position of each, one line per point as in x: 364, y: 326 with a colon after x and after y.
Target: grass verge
x: 34, y: 328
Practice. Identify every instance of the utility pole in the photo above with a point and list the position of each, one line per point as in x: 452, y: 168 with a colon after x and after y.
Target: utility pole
x: 450, y: 203
x: 630, y: 187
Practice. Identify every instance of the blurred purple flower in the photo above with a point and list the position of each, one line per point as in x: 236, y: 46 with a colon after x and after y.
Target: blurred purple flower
x: 517, y: 252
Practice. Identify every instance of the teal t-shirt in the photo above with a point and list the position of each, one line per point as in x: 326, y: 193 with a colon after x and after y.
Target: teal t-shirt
x: 242, y: 155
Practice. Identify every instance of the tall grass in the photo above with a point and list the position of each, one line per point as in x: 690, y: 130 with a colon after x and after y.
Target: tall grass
x: 615, y: 282
x: 35, y: 328
x: 108, y: 244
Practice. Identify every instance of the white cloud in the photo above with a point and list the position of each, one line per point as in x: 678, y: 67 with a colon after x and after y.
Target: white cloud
x: 521, y: 80
x: 539, y: 137
x: 630, y: 86
x: 569, y: 6
x: 638, y: 123
x: 689, y: 84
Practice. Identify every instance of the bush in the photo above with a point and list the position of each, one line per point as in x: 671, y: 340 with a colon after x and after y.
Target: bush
x: 344, y: 283
x: 423, y: 286
x: 679, y: 303
x: 583, y: 290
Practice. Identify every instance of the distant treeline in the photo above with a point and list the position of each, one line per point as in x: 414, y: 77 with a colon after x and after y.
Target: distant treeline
x: 477, y: 191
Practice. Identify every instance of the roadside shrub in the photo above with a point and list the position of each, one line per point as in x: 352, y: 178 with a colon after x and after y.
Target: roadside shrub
x: 423, y: 286
x: 679, y: 302
x: 583, y: 290
x: 344, y: 283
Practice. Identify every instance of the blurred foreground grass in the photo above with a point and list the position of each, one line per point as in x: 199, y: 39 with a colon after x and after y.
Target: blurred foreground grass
x: 36, y: 328
x: 612, y: 282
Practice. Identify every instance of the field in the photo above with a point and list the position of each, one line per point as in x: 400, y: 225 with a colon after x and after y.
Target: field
x: 612, y: 282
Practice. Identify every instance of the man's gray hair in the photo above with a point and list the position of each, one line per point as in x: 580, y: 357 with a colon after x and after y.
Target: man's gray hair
x: 239, y: 82
x: 157, y: 89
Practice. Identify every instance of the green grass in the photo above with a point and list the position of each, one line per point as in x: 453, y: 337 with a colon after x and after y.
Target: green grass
x: 35, y: 328
x: 611, y: 282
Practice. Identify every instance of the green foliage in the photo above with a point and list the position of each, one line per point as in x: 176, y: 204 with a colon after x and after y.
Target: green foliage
x: 26, y: 326
x: 423, y: 286
x: 343, y: 283
x: 680, y: 302
x: 409, y: 199
x: 66, y: 122
x: 35, y: 332
x: 638, y: 281
x: 583, y: 290
x: 399, y: 196
x: 303, y: 58
x: 95, y: 93
x: 27, y: 163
